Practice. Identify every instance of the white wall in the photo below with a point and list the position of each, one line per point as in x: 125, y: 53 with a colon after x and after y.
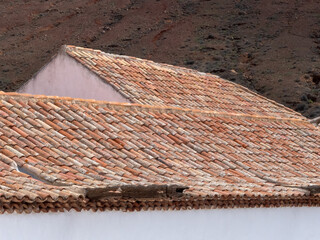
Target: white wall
x: 221, y: 224
x: 65, y: 77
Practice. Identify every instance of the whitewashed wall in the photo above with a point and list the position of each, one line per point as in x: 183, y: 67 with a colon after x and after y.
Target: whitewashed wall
x: 226, y: 224
x: 65, y: 77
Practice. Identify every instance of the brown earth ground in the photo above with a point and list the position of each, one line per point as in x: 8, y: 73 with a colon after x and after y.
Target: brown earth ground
x: 271, y: 46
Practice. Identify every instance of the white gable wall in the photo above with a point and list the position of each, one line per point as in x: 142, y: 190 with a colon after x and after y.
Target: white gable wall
x: 221, y: 224
x: 65, y: 77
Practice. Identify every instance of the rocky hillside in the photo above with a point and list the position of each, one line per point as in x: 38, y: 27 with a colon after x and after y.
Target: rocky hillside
x: 270, y: 46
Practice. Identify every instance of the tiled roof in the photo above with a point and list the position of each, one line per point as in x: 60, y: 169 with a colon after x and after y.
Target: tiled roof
x: 146, y: 82
x: 52, y: 148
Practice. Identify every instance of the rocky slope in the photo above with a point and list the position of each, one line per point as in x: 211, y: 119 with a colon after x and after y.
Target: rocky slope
x: 270, y: 46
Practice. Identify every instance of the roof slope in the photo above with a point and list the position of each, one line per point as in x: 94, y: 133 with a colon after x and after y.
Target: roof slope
x: 146, y: 82
x: 49, y: 145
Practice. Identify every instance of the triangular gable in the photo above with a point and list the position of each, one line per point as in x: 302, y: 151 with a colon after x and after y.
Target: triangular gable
x: 65, y: 77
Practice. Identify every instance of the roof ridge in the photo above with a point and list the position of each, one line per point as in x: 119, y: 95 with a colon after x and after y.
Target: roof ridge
x: 189, y: 70
x: 167, y: 109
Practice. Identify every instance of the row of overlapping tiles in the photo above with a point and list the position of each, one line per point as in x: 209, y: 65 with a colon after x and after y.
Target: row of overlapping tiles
x: 66, y: 142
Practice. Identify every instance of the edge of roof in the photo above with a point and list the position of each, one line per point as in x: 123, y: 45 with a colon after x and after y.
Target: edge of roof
x: 147, y: 108
x: 84, y: 204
